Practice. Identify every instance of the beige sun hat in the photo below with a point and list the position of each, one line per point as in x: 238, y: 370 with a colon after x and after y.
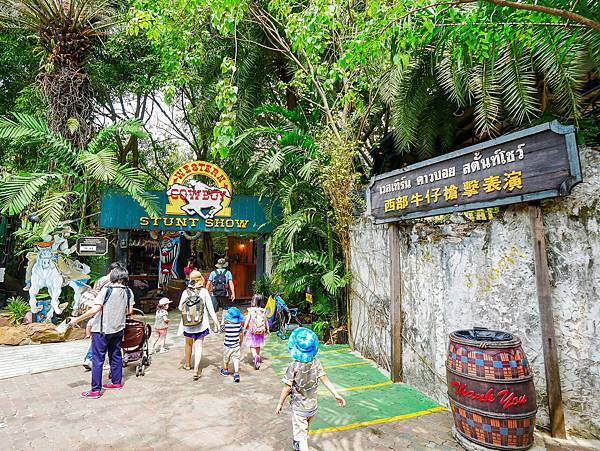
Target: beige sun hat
x: 222, y: 263
x: 195, y: 275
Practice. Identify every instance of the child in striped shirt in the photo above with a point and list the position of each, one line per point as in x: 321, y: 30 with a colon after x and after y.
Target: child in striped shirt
x: 232, y: 327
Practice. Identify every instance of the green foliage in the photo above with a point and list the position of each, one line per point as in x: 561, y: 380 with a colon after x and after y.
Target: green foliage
x: 18, y: 67
x: 98, y: 265
x: 266, y: 286
x: 47, y: 193
x: 479, y: 67
x: 287, y: 170
x: 17, y: 308
x: 226, y: 99
x: 65, y: 30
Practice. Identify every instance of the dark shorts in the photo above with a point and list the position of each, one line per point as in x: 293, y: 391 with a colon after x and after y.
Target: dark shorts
x: 221, y: 302
x: 197, y: 335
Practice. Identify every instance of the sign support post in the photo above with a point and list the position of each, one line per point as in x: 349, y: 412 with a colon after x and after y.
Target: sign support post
x: 396, y: 319
x: 555, y: 406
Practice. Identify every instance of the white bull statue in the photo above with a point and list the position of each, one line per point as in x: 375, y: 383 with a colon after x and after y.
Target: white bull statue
x: 199, y: 197
x: 45, y: 274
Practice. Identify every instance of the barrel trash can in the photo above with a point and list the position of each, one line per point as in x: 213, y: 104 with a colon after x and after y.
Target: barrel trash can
x: 490, y: 388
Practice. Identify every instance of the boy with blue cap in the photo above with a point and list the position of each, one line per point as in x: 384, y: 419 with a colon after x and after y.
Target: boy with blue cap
x: 232, y: 327
x: 301, y: 382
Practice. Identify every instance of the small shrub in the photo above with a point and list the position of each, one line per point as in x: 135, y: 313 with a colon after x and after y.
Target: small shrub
x: 266, y: 286
x: 17, y: 308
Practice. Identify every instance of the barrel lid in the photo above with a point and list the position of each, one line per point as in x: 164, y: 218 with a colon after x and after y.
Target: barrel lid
x: 482, y: 337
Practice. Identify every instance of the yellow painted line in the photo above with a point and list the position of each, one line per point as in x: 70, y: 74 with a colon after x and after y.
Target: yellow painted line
x: 337, y: 366
x: 378, y: 421
x: 324, y: 391
x: 345, y: 364
x: 366, y: 387
x: 287, y: 356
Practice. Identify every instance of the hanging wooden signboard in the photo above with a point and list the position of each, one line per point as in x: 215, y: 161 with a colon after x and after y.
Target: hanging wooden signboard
x: 533, y: 164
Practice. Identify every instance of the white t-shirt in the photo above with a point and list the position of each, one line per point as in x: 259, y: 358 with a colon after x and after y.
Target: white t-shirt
x: 209, y: 311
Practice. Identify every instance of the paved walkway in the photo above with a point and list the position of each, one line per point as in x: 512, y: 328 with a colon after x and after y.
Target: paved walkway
x: 166, y: 409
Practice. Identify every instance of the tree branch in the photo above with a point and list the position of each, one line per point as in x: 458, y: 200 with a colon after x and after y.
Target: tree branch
x: 569, y: 15
x: 564, y: 14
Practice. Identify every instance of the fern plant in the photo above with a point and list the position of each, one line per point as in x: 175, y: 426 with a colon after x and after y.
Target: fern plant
x: 73, y: 173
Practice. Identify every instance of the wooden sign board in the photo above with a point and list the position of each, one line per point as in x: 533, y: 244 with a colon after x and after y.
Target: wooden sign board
x: 537, y: 163
x: 92, y: 246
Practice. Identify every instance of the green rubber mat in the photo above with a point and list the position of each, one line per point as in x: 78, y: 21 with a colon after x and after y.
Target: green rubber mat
x: 371, y: 397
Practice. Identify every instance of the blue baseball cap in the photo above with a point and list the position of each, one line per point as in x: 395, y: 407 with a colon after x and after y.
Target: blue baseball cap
x: 303, y: 344
x: 233, y: 315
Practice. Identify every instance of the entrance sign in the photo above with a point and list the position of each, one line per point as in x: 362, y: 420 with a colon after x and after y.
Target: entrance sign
x: 190, y: 195
x: 199, y: 197
x: 120, y: 211
x: 537, y: 163
x: 92, y: 246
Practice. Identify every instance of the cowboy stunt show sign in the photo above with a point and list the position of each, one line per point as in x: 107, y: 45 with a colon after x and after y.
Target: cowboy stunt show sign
x: 533, y: 164
x: 196, y: 197
x: 199, y: 197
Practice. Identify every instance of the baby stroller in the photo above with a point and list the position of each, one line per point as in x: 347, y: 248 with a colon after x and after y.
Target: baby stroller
x: 135, y: 346
x: 284, y: 320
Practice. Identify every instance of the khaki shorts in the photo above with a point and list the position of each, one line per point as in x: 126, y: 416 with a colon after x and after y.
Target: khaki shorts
x: 300, y: 427
x: 230, y: 353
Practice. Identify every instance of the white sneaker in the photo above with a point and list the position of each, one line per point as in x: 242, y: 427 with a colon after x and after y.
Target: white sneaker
x: 163, y: 350
x: 87, y: 364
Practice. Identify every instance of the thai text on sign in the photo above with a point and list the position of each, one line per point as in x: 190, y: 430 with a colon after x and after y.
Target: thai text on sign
x: 533, y: 164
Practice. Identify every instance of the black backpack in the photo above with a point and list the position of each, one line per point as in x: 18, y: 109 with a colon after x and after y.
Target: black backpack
x: 220, y: 285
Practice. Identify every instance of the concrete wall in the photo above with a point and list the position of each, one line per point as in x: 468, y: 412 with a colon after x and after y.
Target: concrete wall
x: 461, y: 274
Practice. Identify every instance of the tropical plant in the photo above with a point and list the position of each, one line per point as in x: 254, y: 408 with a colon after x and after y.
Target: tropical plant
x: 265, y: 286
x: 66, y: 32
x: 490, y: 74
x: 17, y: 308
x: 75, y: 173
x: 287, y: 170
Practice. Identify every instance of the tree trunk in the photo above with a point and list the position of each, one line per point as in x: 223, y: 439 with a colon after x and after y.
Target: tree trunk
x: 291, y: 97
x: 208, y: 254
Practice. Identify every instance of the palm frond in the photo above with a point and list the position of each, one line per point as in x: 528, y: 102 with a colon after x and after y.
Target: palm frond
x: 101, y: 165
x: 333, y: 281
x: 18, y: 191
x: 37, y: 131
x: 453, y: 77
x: 52, y: 209
x: 132, y: 181
x: 518, y: 83
x: 561, y: 58
x: 484, y: 85
x: 131, y: 127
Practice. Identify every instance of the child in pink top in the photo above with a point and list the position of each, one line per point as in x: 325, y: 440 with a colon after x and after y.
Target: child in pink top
x: 257, y: 327
x: 161, y: 325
